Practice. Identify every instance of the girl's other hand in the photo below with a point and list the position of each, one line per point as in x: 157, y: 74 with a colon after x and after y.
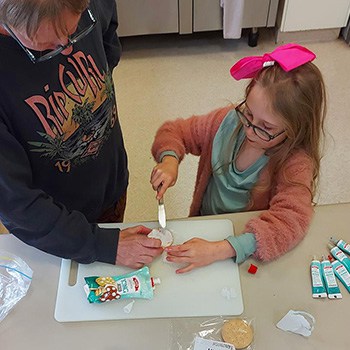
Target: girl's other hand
x: 199, y: 252
x: 164, y: 175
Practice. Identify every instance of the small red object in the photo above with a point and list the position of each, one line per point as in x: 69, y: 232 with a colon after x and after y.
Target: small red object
x: 252, y: 269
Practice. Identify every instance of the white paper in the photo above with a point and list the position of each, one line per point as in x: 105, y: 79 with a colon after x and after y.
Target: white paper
x: 164, y: 235
x: 298, y: 322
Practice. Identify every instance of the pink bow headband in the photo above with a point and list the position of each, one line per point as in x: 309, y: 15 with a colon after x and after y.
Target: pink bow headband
x: 288, y: 56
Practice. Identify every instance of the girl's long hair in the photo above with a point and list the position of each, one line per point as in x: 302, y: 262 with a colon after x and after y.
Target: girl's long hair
x: 299, y: 98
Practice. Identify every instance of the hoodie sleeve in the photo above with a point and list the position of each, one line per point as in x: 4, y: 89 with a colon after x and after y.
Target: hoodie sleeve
x: 106, y: 12
x: 35, y: 218
x: 187, y: 136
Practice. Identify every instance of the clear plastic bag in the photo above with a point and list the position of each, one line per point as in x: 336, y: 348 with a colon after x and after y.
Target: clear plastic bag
x: 186, y: 331
x: 15, y: 279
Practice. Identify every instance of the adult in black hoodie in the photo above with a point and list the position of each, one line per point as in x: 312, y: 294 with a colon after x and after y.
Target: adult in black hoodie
x: 63, y: 164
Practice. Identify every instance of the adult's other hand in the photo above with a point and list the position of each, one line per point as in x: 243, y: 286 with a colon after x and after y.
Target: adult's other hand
x: 135, y: 249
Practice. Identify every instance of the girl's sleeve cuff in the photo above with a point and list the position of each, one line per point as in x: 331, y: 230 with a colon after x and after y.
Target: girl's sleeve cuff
x: 168, y: 153
x: 244, y: 245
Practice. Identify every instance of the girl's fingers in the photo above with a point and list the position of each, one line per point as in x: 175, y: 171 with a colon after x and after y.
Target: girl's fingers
x: 185, y: 269
x: 155, y: 185
x: 178, y: 255
x: 162, y: 189
x: 177, y: 250
x: 160, y: 183
x: 178, y: 259
x: 157, y: 174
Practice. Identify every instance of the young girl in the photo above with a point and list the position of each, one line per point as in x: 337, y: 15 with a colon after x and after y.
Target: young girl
x: 262, y: 154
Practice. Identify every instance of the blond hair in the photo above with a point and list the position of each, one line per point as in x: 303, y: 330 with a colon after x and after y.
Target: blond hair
x: 299, y: 98
x: 27, y: 15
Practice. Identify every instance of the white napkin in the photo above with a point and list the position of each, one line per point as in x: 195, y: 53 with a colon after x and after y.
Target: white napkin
x: 164, y: 235
x: 298, y: 322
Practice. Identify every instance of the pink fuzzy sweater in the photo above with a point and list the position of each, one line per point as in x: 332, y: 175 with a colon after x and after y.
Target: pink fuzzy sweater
x: 287, y: 208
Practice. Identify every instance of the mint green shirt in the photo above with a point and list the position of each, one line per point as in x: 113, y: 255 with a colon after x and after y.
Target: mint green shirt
x: 228, y: 190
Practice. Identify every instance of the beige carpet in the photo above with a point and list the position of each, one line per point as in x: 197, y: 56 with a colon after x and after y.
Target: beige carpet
x: 168, y: 76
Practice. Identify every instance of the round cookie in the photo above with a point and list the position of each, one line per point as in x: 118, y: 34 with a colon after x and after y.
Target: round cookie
x: 237, y: 332
x: 164, y: 235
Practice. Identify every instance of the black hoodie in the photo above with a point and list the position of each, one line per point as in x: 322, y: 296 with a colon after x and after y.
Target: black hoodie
x: 62, y: 156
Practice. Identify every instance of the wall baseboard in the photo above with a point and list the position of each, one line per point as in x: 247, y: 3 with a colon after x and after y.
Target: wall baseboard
x: 307, y: 36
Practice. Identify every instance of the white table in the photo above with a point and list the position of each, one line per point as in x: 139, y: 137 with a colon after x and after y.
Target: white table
x: 268, y: 295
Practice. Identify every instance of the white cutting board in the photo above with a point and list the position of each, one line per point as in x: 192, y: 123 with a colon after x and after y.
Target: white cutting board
x: 197, y: 293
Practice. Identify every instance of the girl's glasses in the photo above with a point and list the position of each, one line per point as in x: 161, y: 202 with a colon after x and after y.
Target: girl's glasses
x: 80, y: 34
x: 261, y: 133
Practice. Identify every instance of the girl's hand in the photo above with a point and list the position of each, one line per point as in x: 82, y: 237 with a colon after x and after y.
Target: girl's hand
x: 198, y: 252
x: 164, y: 175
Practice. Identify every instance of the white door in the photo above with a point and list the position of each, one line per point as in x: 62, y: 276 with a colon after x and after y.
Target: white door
x: 314, y: 14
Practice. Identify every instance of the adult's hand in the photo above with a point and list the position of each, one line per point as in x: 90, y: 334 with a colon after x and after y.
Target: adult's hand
x: 135, y: 249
